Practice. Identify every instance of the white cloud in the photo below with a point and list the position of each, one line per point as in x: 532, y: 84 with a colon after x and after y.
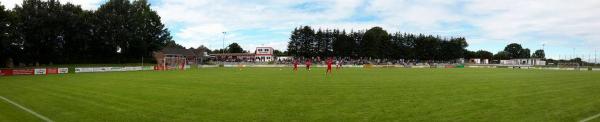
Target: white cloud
x: 514, y: 18
x: 199, y: 18
x: 278, y: 45
x: 491, y: 24
x: 487, y: 24
x: 9, y: 4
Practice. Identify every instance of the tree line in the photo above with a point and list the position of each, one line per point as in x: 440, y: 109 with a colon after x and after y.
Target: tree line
x: 375, y: 43
x: 50, y: 32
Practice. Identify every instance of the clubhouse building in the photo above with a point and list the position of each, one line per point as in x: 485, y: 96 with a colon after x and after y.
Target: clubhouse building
x: 261, y: 54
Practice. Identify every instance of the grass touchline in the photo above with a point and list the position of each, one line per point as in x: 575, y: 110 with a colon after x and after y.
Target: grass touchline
x: 26, y: 109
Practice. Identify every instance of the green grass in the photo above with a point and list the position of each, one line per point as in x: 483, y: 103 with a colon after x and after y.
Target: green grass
x: 271, y: 94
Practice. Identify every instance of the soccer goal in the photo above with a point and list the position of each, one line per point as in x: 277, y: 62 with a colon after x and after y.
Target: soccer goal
x: 575, y: 66
x: 174, y: 62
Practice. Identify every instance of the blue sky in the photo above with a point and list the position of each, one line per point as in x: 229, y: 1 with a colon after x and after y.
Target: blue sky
x: 487, y: 24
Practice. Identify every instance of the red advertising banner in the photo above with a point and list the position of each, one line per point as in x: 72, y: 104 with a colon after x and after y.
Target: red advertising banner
x: 51, y: 70
x: 6, y: 72
x: 38, y: 71
x: 23, y: 71
x: 159, y: 67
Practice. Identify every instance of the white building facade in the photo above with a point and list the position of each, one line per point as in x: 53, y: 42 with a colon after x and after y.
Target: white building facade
x: 524, y: 62
x: 479, y: 61
x: 264, y: 54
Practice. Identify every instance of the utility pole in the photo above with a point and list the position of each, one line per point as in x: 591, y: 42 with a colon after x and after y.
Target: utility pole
x: 223, y: 49
x: 574, y: 55
x: 589, y: 58
x: 543, y: 46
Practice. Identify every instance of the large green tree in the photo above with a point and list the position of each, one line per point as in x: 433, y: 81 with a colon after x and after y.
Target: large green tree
x: 452, y: 49
x: 517, y: 51
x: 539, y: 54
x: 40, y: 24
x: 484, y: 54
x: 525, y: 53
x: 343, y: 44
x: 77, y: 28
x: 320, y: 43
x: 278, y: 53
x: 357, y: 38
x: 114, y: 29
x: 405, y: 45
x: 234, y: 48
x: 514, y: 50
x: 295, y: 43
x: 6, y: 20
x: 376, y: 42
x: 150, y: 33
x: 502, y: 55
x: 173, y: 44
x: 47, y: 32
x: 302, y: 42
x: 427, y: 47
x: 470, y: 54
x: 134, y: 28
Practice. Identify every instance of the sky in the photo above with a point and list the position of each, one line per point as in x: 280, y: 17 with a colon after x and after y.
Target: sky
x: 563, y: 28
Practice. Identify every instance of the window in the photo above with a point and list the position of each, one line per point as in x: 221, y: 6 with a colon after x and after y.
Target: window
x: 266, y: 49
x: 260, y: 50
x: 268, y: 57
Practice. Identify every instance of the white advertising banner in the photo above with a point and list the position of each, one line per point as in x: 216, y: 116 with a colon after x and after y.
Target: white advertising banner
x: 107, y: 69
x: 78, y: 70
x: 132, y: 68
x: 115, y: 69
x: 63, y: 70
x: 40, y: 71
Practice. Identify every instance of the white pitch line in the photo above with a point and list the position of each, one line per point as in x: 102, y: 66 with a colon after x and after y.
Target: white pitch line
x: 590, y: 118
x: 28, y: 110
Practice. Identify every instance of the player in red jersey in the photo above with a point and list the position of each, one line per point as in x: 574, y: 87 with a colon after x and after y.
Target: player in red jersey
x: 308, y: 63
x: 295, y: 64
x: 329, y: 62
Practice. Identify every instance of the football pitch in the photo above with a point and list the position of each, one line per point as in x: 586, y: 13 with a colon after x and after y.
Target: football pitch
x: 274, y: 94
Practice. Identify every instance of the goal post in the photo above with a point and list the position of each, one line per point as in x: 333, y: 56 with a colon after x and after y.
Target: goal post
x: 174, y: 62
x: 575, y: 66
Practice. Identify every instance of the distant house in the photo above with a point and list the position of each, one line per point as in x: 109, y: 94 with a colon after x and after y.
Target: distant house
x: 261, y: 54
x: 264, y: 54
x: 485, y: 61
x: 475, y: 61
x: 234, y: 57
x: 177, y: 56
x: 524, y: 62
x: 479, y: 61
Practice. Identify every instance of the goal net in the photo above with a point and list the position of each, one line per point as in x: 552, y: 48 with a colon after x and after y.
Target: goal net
x: 575, y: 66
x: 174, y: 62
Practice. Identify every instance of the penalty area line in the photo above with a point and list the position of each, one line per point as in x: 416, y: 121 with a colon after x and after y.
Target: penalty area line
x: 590, y: 118
x: 26, y: 109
